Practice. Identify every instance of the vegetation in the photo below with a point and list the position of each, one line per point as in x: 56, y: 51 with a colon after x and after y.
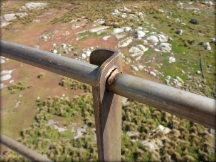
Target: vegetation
x: 41, y: 76
x: 73, y: 84
x: 17, y: 87
x: 184, y: 142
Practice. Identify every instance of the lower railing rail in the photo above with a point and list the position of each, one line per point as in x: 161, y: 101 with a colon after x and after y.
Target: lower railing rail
x: 105, y: 76
x: 22, y: 150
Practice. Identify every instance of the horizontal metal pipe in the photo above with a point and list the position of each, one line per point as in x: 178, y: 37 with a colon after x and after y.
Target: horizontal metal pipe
x: 52, y: 62
x: 22, y: 150
x: 194, y: 107
x: 181, y: 103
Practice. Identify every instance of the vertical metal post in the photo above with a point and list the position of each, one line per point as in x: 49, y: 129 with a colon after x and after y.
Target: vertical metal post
x: 107, y: 105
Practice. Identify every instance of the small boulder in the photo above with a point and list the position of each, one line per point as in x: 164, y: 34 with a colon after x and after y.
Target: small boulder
x: 198, y: 72
x: 207, y: 46
x: 172, y: 59
x: 139, y: 34
x: 83, y: 56
x: 162, y: 38
x: 194, y: 21
x: 212, y: 40
x: 179, y: 32
x: 133, y: 67
x: 152, y: 73
x: 165, y: 47
x: 55, y: 51
x: 152, y: 39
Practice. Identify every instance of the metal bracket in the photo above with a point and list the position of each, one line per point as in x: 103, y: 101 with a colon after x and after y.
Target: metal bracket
x: 107, y: 105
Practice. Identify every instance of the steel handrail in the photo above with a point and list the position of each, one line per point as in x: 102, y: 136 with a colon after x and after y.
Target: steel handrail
x: 181, y: 103
x: 22, y: 150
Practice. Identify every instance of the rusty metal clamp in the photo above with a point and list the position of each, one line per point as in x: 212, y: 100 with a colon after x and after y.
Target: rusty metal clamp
x: 107, y: 105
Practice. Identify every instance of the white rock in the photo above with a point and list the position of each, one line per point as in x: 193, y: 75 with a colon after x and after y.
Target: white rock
x: 138, y: 58
x: 2, y: 86
x: 133, y: 67
x: 9, y: 17
x: 207, y: 46
x: 175, y: 81
x: 183, y: 72
x: 55, y: 51
x: 116, y: 12
x: 98, y: 29
x: 51, y: 122
x: 2, y: 61
x: 124, y: 15
x: 134, y: 49
x: 120, y: 36
x: 83, y: 56
x: 63, y: 46
x: 148, y: 144
x: 137, y: 54
x: 172, y: 59
x: 166, y: 130
x: 4, y: 23
x: 128, y: 60
x: 35, y: 5
x: 127, y: 29
x: 168, y: 77
x: 152, y: 39
x: 132, y: 134
x: 156, y: 50
x: 142, y: 48
x: 198, y: 72
x: 125, y: 42
x: 99, y: 21
x: 60, y: 129
x: 125, y: 9
x: 140, y: 67
x: 106, y: 37
x: 161, y: 11
x: 88, y: 53
x: 124, y: 101
x: 80, y: 132
x: 11, y: 81
x: 140, y: 14
x: 145, y: 42
x: 180, y: 31
x: 17, y: 104
x: 139, y: 34
x: 162, y: 38
x: 165, y: 47
x: 213, y: 39
x: 179, y: 79
x: 118, y: 30
x: 5, y: 72
x: 152, y: 73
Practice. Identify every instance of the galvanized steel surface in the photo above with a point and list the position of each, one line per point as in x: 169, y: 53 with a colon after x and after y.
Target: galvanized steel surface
x: 22, y: 150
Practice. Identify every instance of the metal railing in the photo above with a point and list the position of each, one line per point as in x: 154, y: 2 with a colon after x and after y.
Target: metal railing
x: 108, y: 82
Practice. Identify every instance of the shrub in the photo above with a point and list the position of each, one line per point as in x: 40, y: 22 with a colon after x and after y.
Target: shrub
x: 41, y: 76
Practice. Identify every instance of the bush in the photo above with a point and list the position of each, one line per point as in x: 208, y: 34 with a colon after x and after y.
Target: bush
x: 41, y: 76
